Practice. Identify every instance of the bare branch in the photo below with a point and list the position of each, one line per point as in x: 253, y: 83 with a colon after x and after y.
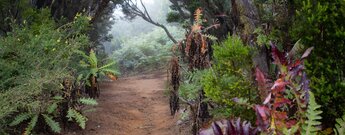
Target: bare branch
x: 135, y: 10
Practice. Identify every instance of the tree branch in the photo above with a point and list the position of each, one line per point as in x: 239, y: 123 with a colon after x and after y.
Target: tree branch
x: 134, y: 9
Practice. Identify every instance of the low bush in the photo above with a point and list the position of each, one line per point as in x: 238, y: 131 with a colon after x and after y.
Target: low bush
x: 230, y: 76
x: 38, y: 88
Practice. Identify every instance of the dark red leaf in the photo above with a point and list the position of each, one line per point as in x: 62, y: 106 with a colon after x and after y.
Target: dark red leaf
x: 262, y: 115
x: 291, y: 123
x: 281, y: 115
x: 260, y: 78
x: 279, y: 85
x: 278, y: 56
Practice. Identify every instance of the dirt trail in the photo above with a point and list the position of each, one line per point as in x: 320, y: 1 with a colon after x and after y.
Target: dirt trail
x: 132, y: 106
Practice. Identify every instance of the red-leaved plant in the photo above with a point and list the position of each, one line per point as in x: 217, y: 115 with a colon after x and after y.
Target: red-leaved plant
x: 286, y: 100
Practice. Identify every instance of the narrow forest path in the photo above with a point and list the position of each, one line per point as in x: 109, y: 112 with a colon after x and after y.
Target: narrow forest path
x: 132, y: 106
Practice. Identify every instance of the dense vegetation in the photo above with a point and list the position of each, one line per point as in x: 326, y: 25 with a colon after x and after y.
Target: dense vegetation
x: 275, y: 35
x: 242, y: 67
x: 45, y: 82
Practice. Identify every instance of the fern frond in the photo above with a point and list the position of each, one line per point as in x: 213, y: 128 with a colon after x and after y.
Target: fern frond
x: 58, y: 98
x: 88, y: 101
x: 31, y: 125
x: 210, y: 37
x: 313, y: 115
x: 20, y: 118
x: 52, y: 123
x: 108, y: 65
x: 340, y: 126
x: 79, y: 78
x: 79, y: 118
x: 52, y: 108
x: 81, y: 53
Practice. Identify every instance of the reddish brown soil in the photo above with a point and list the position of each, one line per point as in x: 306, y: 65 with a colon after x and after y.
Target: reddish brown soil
x: 132, y: 106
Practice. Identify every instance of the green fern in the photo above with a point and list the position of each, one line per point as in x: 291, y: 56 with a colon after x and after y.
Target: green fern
x: 108, y: 65
x: 313, y: 115
x: 52, y: 124
x: 20, y: 118
x: 88, y: 101
x: 52, y: 108
x: 79, y: 118
x: 213, y: 38
x: 340, y: 126
x: 31, y: 125
x: 92, y: 67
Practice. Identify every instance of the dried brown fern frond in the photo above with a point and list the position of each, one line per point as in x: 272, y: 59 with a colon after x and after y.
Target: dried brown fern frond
x: 198, y: 16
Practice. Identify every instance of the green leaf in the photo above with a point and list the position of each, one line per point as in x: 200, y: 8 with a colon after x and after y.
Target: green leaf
x: 79, y: 118
x: 108, y: 65
x: 80, y: 77
x: 88, y: 101
x: 313, y: 115
x: 93, y: 59
x: 58, y: 98
x: 20, y: 118
x: 340, y: 126
x: 82, y: 54
x: 52, y: 124
x: 52, y: 108
x: 31, y: 125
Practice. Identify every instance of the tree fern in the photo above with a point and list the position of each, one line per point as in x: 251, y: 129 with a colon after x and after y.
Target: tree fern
x: 79, y: 118
x: 52, y: 123
x: 20, y: 118
x: 31, y: 125
x: 313, y: 115
x: 88, y: 101
x: 340, y: 126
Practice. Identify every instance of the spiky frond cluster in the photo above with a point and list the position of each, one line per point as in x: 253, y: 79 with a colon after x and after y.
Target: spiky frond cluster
x: 88, y: 101
x: 310, y: 127
x: 78, y: 117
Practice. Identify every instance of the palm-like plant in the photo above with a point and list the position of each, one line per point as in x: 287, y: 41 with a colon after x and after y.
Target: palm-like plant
x: 92, y: 71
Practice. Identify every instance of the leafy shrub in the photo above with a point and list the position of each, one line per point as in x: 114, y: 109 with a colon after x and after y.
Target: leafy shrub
x: 230, y: 75
x: 290, y: 106
x: 191, y: 86
x: 320, y: 24
x: 36, y: 58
